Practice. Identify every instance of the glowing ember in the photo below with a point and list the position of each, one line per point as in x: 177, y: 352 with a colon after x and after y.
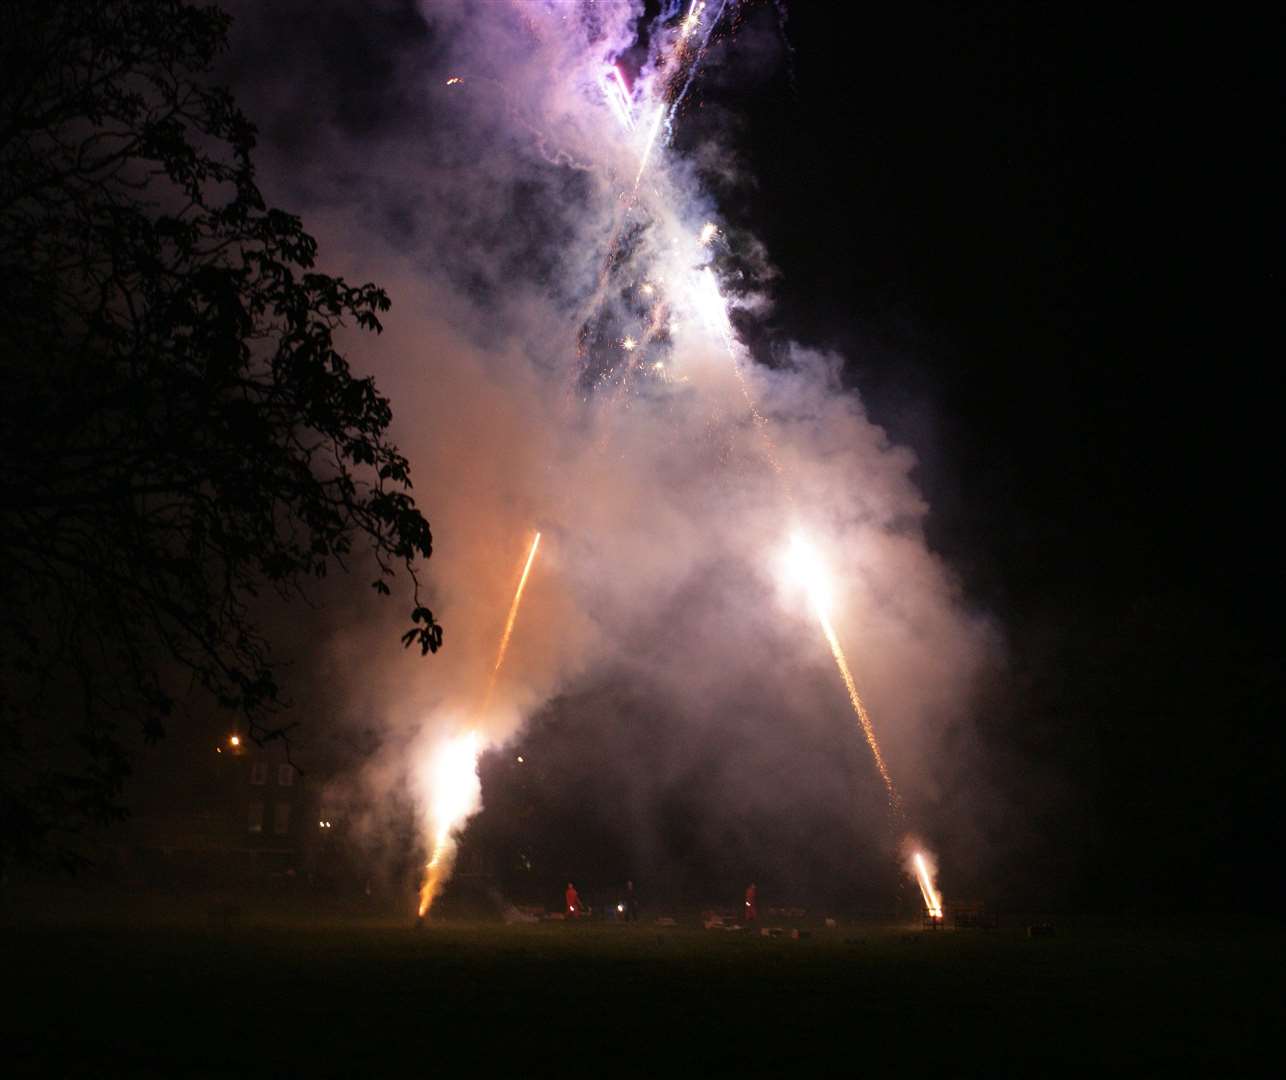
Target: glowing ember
x: 932, y: 901
x: 708, y: 232
x: 455, y: 80
x: 694, y: 17
x: 628, y: 344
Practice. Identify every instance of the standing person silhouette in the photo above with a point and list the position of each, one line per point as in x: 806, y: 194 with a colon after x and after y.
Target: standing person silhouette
x: 752, y: 904
x: 573, y: 902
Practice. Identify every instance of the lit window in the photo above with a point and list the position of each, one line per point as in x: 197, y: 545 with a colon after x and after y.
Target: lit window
x: 285, y: 775
x: 259, y: 772
x: 281, y: 818
x: 256, y: 817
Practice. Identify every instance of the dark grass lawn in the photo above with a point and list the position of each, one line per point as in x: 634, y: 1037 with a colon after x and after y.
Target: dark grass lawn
x: 287, y: 997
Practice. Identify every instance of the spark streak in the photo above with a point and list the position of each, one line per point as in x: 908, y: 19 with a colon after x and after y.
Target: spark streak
x: 859, y: 708
x: 651, y: 140
x: 808, y: 570
x: 509, y: 623
x: 692, y: 72
x: 618, y: 97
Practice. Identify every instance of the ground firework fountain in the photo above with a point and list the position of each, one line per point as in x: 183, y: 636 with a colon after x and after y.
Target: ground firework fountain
x: 652, y: 315
x: 932, y: 901
x: 454, y: 769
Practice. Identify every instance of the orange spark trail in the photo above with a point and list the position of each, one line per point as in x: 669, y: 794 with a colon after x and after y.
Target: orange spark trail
x: 809, y: 571
x: 457, y: 767
x: 509, y: 624
x: 716, y: 317
x: 895, y: 800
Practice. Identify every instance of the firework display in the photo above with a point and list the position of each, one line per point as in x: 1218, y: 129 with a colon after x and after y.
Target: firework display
x: 658, y: 282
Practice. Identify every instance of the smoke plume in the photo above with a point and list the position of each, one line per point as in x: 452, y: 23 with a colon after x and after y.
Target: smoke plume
x: 552, y: 366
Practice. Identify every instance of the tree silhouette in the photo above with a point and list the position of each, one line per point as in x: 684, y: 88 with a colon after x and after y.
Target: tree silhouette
x: 178, y: 431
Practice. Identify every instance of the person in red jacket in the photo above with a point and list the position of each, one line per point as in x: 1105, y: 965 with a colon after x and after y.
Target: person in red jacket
x: 752, y: 904
x: 573, y: 902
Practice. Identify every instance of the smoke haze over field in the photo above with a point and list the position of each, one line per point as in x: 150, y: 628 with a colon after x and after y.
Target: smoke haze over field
x: 488, y: 208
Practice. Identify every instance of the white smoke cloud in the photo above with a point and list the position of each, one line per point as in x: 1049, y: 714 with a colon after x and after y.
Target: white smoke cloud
x: 488, y: 208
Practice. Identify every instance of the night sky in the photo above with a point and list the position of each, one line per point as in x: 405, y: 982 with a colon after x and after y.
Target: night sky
x: 1001, y: 217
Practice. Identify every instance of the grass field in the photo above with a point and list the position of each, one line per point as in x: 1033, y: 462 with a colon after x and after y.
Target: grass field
x: 285, y: 996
